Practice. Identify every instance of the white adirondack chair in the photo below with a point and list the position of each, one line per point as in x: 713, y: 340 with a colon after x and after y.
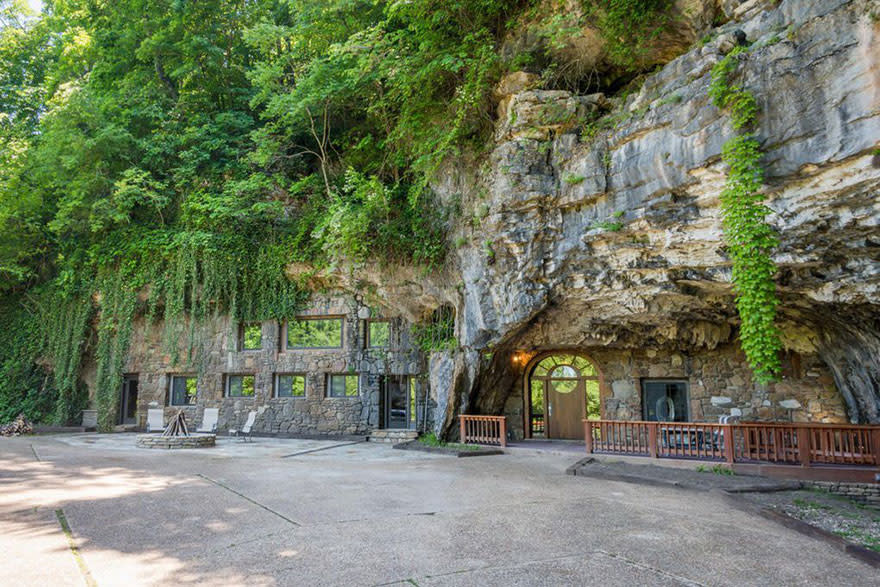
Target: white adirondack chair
x: 155, y: 420
x: 209, y: 420
x: 245, y: 431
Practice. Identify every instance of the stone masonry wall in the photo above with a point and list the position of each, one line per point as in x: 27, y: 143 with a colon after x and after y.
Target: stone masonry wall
x: 218, y: 357
x: 719, y: 383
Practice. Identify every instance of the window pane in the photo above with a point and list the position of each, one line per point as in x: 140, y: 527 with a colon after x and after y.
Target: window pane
x: 379, y: 334
x: 291, y: 386
x: 351, y: 385
x: 323, y: 333
x: 241, y: 386
x: 183, y: 391
x: 564, y: 371
x: 537, y: 397
x: 593, y: 410
x: 252, y: 337
x: 563, y: 385
x: 412, y: 399
x: 343, y: 386
x: 665, y: 401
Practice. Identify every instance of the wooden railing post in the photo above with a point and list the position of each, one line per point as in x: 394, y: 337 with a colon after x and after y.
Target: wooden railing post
x: 588, y: 436
x: 803, y: 440
x: 461, y: 426
x: 728, y: 433
x: 653, y: 447
x: 875, y: 445
x: 503, y: 432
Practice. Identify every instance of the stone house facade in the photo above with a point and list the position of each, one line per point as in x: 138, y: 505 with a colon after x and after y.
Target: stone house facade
x: 714, y: 383
x: 390, y: 384
x: 221, y: 364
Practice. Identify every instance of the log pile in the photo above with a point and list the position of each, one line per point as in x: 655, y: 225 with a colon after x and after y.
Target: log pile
x: 18, y: 426
x: 177, y: 425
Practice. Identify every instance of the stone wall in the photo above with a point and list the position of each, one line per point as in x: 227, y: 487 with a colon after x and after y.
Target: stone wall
x: 719, y: 383
x: 216, y: 356
x: 867, y: 493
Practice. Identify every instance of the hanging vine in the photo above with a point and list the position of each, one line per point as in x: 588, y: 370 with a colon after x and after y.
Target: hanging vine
x: 117, y: 303
x: 65, y: 322
x: 750, y: 239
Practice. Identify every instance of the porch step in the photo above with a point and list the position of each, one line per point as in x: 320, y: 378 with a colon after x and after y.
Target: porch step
x: 393, y: 436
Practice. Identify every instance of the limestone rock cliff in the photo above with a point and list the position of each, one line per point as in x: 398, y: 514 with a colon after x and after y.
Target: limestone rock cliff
x: 579, y: 235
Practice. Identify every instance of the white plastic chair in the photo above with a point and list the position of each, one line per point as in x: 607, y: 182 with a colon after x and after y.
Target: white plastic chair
x: 155, y: 420
x: 245, y: 431
x: 209, y: 420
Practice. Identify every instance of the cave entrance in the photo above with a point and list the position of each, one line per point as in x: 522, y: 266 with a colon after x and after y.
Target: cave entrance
x: 561, y: 390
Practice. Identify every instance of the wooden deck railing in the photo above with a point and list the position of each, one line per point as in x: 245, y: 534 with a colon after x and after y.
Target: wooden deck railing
x: 483, y: 430
x: 796, y: 444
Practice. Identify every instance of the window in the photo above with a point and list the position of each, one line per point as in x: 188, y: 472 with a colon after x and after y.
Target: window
x: 290, y: 385
x: 240, y: 386
x: 342, y: 386
x: 378, y: 334
x: 303, y: 333
x: 183, y: 390
x: 250, y: 337
x: 665, y: 401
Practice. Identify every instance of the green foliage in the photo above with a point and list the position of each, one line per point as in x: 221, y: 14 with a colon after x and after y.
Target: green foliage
x: 437, y: 333
x: 748, y: 236
x: 716, y: 469
x: 65, y: 322
x: 117, y: 306
x: 629, y: 26
x: 25, y: 388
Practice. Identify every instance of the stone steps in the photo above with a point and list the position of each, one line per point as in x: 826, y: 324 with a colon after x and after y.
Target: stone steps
x: 393, y: 436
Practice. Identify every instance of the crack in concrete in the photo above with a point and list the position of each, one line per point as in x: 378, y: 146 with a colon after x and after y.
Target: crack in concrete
x: 74, y: 549
x: 619, y: 557
x: 253, y: 501
x: 311, y: 450
x: 647, y: 567
x: 36, y: 456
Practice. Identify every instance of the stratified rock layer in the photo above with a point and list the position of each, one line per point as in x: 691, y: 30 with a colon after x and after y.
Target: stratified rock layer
x: 612, y: 239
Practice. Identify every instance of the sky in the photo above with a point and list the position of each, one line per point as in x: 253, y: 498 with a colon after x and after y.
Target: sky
x: 36, y: 5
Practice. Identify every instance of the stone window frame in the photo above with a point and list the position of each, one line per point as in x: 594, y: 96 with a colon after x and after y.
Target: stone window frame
x: 367, y: 343
x: 286, y: 341
x: 227, y: 378
x: 170, y: 397
x: 277, y: 387
x: 682, y: 380
x: 328, y: 388
x: 239, y: 344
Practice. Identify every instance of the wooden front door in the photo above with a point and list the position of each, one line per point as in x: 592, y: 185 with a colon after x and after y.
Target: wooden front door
x: 562, y: 389
x: 565, y: 409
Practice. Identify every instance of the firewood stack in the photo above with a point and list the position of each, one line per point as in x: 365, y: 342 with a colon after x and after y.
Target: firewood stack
x: 177, y: 425
x: 18, y: 426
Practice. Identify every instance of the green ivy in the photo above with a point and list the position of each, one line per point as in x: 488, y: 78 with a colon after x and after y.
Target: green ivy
x: 750, y: 239
x: 437, y: 333
x: 117, y: 304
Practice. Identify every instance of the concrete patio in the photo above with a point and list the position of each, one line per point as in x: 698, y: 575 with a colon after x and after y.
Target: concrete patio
x: 304, y: 512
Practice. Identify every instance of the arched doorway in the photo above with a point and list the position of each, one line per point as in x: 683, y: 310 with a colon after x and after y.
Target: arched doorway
x: 561, y: 390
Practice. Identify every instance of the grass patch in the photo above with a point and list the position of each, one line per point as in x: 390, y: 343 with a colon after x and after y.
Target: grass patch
x: 716, y: 469
x: 860, y: 537
x: 430, y: 439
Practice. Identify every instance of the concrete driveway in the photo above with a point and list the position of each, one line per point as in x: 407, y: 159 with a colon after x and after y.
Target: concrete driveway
x: 296, y: 512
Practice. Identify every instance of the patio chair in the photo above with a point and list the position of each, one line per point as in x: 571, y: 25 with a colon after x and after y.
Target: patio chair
x: 244, y: 432
x: 209, y: 420
x: 155, y: 420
